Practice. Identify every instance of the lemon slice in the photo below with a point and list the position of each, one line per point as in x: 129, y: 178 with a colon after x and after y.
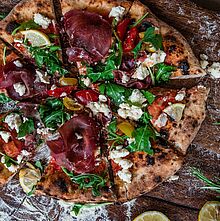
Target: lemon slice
x: 151, y: 216
x: 210, y: 211
x: 36, y: 38
x: 28, y: 178
x: 175, y: 111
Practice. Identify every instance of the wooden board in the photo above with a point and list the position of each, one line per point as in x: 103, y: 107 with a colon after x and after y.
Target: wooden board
x: 180, y: 200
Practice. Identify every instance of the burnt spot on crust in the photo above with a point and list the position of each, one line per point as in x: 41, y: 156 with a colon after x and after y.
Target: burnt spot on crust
x: 184, y: 66
x: 157, y: 179
x: 40, y: 187
x: 164, y: 133
x: 140, y: 156
x: 150, y: 160
x: 157, y: 150
x: 171, y: 48
x: 195, y: 123
x: 11, y: 26
x: 162, y: 156
x: 162, y: 142
x: 39, y: 4
x: 1, y: 167
x: 170, y: 38
x: 61, y: 183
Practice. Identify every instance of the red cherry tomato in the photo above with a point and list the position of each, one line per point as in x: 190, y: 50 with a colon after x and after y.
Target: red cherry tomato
x: 115, y: 166
x: 86, y: 96
x: 130, y: 40
x: 54, y: 164
x: 58, y: 92
x: 122, y: 28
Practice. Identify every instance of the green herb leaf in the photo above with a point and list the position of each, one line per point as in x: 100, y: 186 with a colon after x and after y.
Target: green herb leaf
x: 76, y: 208
x: 117, y: 93
x: 145, y: 118
x: 112, y: 126
x: 52, y: 113
x: 3, y: 15
x: 8, y: 160
x: 26, y: 128
x: 216, y: 123
x: 4, y: 99
x: 39, y: 165
x: 151, y: 37
x: 149, y: 96
x: 26, y: 25
x: 142, y: 137
x: 4, y: 55
x: 163, y: 72
x: 140, y: 20
x: 86, y: 181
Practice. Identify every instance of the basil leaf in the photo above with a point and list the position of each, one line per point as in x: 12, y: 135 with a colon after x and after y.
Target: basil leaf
x: 112, y: 127
x: 142, y: 137
x: 149, y: 96
x: 4, y: 99
x: 26, y: 25
x: 163, y: 72
x: 26, y: 128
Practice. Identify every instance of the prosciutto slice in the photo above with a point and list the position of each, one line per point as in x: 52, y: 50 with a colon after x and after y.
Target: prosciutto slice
x: 24, y: 74
x: 76, y: 147
x: 89, y: 35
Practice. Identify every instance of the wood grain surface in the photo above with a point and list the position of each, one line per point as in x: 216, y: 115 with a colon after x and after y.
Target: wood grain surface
x: 181, y: 199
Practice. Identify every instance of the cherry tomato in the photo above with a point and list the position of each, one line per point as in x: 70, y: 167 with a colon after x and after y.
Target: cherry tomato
x: 60, y: 91
x: 126, y: 128
x: 68, y: 81
x: 54, y: 164
x: 86, y: 96
x: 11, y: 149
x: 70, y: 104
x: 122, y: 28
x: 129, y: 43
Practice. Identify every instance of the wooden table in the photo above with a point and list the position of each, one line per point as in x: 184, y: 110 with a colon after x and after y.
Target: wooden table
x: 180, y: 200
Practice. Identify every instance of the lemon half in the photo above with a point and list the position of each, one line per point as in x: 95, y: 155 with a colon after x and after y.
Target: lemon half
x: 151, y: 216
x: 210, y: 211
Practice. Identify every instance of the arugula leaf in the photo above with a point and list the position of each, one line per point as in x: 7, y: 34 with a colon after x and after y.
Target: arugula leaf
x: 52, y: 113
x: 151, y: 37
x: 26, y: 128
x: 140, y: 20
x: 142, y: 137
x: 26, y: 25
x: 117, y: 93
x: 163, y: 72
x: 86, y: 181
x: 216, y: 123
x: 39, y: 165
x: 46, y: 57
x: 8, y: 160
x: 145, y: 118
x: 4, y: 99
x: 149, y: 96
x: 4, y: 55
x: 3, y: 15
x: 76, y: 208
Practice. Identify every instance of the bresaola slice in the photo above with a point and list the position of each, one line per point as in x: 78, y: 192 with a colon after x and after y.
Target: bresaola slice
x: 76, y: 148
x: 90, y: 36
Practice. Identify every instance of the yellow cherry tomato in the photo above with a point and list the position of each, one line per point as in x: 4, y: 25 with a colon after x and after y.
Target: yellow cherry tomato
x: 68, y: 81
x: 126, y: 128
x: 70, y: 104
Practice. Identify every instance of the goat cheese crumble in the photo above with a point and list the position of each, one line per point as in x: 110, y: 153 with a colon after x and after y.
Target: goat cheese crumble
x: 141, y: 72
x: 130, y: 111
x: 114, y: 154
x: 161, y: 121
x: 214, y: 70
x: 5, y: 136
x: 155, y: 58
x: 41, y: 20
x: 117, y: 12
x: 98, y: 107
x: 137, y: 97
x: 18, y: 64
x: 14, y: 121
x: 42, y: 77
x: 125, y: 175
x: 19, y: 88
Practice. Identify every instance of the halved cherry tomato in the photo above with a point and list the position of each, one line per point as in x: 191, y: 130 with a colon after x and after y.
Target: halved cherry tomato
x: 122, y: 28
x: 54, y: 164
x: 70, y: 104
x: 68, y: 81
x: 86, y: 96
x: 57, y: 92
x: 126, y: 128
x: 11, y: 149
x: 130, y: 40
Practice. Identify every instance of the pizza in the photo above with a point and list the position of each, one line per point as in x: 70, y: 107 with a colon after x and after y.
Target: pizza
x: 87, y: 113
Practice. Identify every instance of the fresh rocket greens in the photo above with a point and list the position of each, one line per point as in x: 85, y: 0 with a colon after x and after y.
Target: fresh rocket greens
x: 8, y: 161
x: 4, y: 99
x: 211, y: 185
x: 151, y: 37
x: 149, y: 96
x: 26, y: 128
x: 140, y: 20
x: 52, y: 113
x: 3, y: 15
x: 47, y: 57
x: 163, y: 72
x: 26, y: 25
x: 86, y: 181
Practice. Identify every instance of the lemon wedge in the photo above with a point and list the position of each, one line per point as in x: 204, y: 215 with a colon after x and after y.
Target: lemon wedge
x: 36, y: 38
x: 175, y: 111
x: 210, y: 211
x: 28, y: 178
x: 151, y: 216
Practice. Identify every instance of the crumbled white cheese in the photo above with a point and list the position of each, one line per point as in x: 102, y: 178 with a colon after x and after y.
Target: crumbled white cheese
x: 137, y: 97
x: 98, y: 107
x: 86, y: 81
x: 5, y: 136
x: 141, y: 72
x: 155, y: 58
x: 117, y: 12
x: 204, y: 64
x: 130, y: 111
x: 124, y: 163
x: 173, y: 178
x: 20, y: 88
x: 13, y: 168
x: 3, y: 159
x: 161, y: 121
x: 78, y: 136
x: 64, y: 94
x: 125, y: 175
x: 14, y: 121
x: 214, y: 70
x: 18, y: 40
x: 180, y: 95
x: 114, y: 154
x: 102, y: 98
x: 41, y: 20
x: 130, y: 140
x: 42, y: 77
x: 124, y: 78
x: 53, y: 87
x: 203, y: 57
x: 18, y: 64
x: 119, y: 147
